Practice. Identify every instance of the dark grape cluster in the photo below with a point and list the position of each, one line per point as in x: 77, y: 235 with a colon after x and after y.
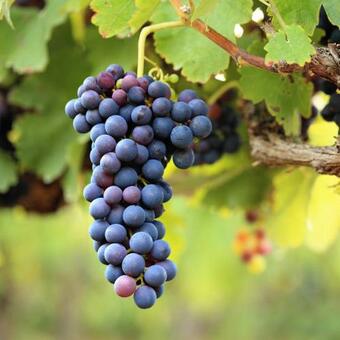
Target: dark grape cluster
x: 331, y: 112
x: 224, y: 138
x: 135, y: 129
x: 332, y: 32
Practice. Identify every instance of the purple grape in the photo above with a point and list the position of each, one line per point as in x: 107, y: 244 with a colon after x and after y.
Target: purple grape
x: 133, y: 264
x: 159, y: 89
x: 108, y: 107
x: 97, y: 230
x: 134, y: 216
x: 106, y: 80
x: 105, y: 144
x: 143, y: 134
x: 116, y: 70
x: 110, y: 163
x: 198, y: 107
x: 141, y: 243
x: 113, y: 195
x: 129, y: 81
x: 126, y: 177
x: 126, y: 150
x: 161, y: 107
x: 99, y: 208
x: 120, y: 97
x: 160, y: 250
x: 162, y: 127
x: 116, y: 126
x: 187, y: 95
x: 80, y: 124
x: 131, y: 195
x: 116, y: 215
x: 145, y: 297
x: 136, y: 95
x: 90, y: 99
x: 155, y: 276
x: 141, y: 115
x: 92, y: 191
x: 125, y: 286
x: 115, y: 233
x: 152, y: 195
x: 115, y: 253
x: 69, y: 108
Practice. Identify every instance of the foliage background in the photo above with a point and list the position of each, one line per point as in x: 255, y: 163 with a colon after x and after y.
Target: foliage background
x: 51, y: 284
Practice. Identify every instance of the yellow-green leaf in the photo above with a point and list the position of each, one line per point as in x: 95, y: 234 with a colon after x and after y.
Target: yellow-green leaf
x: 144, y: 10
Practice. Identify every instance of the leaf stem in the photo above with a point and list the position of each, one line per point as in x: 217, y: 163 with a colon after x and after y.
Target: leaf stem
x: 142, y: 39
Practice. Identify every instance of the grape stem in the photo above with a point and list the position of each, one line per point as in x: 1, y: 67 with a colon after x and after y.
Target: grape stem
x: 142, y: 39
x: 222, y: 90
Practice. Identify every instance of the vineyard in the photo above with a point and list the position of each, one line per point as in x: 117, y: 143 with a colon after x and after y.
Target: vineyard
x: 169, y: 160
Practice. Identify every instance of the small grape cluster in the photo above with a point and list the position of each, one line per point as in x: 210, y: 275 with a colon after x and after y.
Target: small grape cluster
x: 135, y: 129
x: 224, y: 139
x: 331, y: 112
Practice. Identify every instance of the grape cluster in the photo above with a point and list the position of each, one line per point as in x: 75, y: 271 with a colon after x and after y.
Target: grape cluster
x: 332, y: 32
x: 135, y: 129
x: 331, y: 112
x: 223, y: 139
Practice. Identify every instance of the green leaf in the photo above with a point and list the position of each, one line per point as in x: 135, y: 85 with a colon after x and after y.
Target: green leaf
x: 333, y: 11
x: 204, y: 7
x: 42, y: 139
x: 189, y: 50
x: 285, y: 97
x: 303, y: 13
x: 5, y: 6
x: 76, y: 5
x: 144, y: 10
x: 102, y: 53
x: 323, y: 206
x: 25, y: 48
x: 112, y: 16
x: 292, y: 46
x: 245, y: 188
x: 287, y: 224
x: 8, y: 171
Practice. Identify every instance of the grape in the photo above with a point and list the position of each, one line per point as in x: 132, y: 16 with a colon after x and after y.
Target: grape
x: 101, y: 252
x: 144, y: 82
x: 90, y: 99
x: 115, y: 233
x: 181, y: 136
x: 143, y: 134
x: 232, y: 143
x: 201, y: 126
x: 108, y: 107
x: 105, y: 144
x: 126, y: 177
x: 81, y: 90
x: 155, y: 276
x: 149, y: 215
x: 149, y: 228
x: 131, y: 195
x: 129, y: 81
x: 78, y: 107
x: 184, y: 159
x: 161, y: 107
x: 167, y: 191
x: 96, y: 131
x: 116, y: 126
x: 160, y: 250
x: 69, y: 108
x: 141, y: 242
x: 198, y: 107
x: 187, y: 96
x: 97, y: 230
x: 153, y: 170
x: 92, y: 191
x: 106, y: 80
x: 126, y: 150
x: 142, y: 154
x: 120, y: 97
x: 145, y: 297
x: 112, y: 273
x: 141, y: 115
x: 181, y: 112
x: 133, y: 264
x: 110, y: 163
x: 80, y: 124
x: 116, y: 70
x: 159, y: 291
x: 116, y: 215
x: 170, y: 268
x: 113, y: 195
x: 125, y: 286
x: 101, y: 178
x: 95, y: 156
x: 115, y: 253
x: 134, y: 216
x: 90, y: 83
x: 136, y: 95
x: 158, y: 89
x: 157, y: 149
x: 152, y: 195
x: 160, y: 229
x: 126, y: 111
x: 162, y: 127
x: 159, y: 210
x: 99, y: 208
x: 96, y: 245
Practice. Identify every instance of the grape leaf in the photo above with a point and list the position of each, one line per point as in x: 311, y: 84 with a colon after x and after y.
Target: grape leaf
x: 292, y: 46
x: 285, y: 97
x: 42, y: 139
x: 204, y: 7
x: 8, y: 171
x: 5, y: 6
x: 288, y: 220
x: 303, y: 13
x: 25, y: 48
x: 333, y: 11
x: 112, y: 16
x: 102, y: 53
x: 143, y: 13
x: 324, y: 203
x: 189, y: 50
x: 246, y: 188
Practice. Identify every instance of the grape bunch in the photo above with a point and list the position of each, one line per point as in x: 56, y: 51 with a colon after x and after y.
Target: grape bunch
x: 223, y: 139
x: 135, y: 129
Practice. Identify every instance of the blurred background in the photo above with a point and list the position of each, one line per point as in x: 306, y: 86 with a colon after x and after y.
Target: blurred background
x: 51, y: 284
